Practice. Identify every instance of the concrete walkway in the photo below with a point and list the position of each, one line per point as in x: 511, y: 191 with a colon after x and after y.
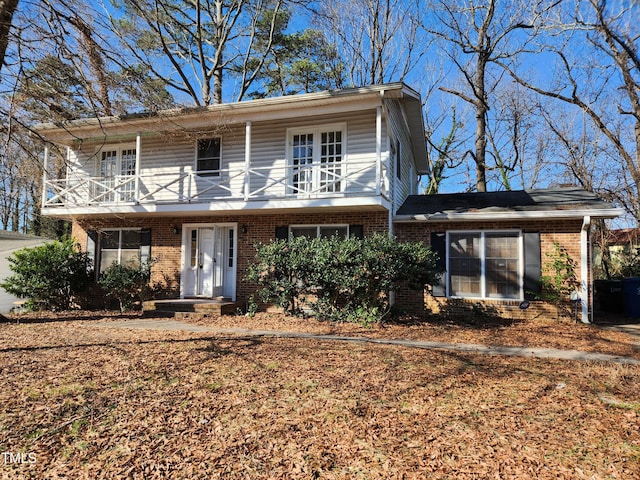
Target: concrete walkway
x: 553, y: 353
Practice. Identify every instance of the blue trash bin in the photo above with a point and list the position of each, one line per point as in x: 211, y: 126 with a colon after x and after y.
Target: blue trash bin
x: 631, y: 290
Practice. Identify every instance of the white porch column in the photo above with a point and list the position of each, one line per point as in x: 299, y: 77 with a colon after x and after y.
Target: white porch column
x: 45, y: 165
x: 247, y: 160
x: 378, y: 150
x: 137, y: 180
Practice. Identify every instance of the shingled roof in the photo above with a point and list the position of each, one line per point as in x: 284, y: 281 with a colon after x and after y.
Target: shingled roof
x: 544, y: 203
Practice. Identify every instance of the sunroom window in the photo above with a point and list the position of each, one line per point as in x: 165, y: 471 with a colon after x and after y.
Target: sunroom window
x: 484, y: 264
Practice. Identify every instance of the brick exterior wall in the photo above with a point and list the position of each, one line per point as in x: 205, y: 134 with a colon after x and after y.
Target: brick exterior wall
x: 564, y: 232
x: 166, y: 245
x: 166, y: 250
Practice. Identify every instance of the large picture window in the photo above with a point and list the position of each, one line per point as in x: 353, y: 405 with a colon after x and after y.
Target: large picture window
x: 123, y: 247
x: 320, y: 231
x: 485, y: 264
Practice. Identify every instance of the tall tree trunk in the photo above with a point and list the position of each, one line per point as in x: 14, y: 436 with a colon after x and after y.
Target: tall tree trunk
x: 7, y: 9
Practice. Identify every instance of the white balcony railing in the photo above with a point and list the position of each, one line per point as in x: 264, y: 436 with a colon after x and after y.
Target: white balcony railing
x: 257, y: 183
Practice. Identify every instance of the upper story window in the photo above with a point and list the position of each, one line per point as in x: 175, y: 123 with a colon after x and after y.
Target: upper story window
x: 485, y: 264
x: 315, y: 158
x: 117, y: 174
x: 209, y: 157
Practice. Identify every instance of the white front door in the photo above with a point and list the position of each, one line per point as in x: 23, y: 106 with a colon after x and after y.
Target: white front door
x: 210, y: 262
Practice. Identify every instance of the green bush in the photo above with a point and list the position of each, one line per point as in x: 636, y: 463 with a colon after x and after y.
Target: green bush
x: 126, y: 282
x: 340, y: 279
x: 559, y: 280
x: 49, y: 276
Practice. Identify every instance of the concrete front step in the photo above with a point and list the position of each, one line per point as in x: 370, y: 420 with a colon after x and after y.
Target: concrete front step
x: 180, y: 308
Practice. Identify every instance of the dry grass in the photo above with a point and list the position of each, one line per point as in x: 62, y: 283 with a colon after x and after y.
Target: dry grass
x: 89, y: 401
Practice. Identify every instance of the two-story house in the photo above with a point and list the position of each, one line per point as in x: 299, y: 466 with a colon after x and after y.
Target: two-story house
x: 196, y: 189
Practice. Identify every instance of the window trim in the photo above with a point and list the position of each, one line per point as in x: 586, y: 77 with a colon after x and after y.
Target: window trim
x: 318, y: 226
x: 120, y: 230
x: 483, y: 285
x: 208, y: 173
x: 317, y: 131
x: 118, y: 148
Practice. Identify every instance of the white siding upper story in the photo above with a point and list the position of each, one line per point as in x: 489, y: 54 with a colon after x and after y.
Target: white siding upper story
x: 338, y: 150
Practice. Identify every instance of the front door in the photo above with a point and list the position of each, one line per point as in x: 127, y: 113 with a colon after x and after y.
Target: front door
x: 210, y: 265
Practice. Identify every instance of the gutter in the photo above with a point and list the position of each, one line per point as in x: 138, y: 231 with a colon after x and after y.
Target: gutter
x: 494, y: 216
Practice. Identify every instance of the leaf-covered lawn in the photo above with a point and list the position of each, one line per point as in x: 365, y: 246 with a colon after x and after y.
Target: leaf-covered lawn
x: 89, y: 401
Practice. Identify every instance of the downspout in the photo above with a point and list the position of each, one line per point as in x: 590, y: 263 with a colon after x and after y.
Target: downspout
x: 586, y: 302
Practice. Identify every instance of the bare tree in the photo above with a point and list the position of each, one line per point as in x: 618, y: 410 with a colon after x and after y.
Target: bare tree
x: 194, y: 46
x: 7, y: 9
x: 379, y: 40
x: 477, y: 37
x: 598, y: 71
x: 519, y: 146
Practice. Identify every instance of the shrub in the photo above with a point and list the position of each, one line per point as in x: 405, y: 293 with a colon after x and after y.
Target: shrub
x: 126, y: 282
x: 340, y: 279
x: 559, y: 280
x: 50, y: 275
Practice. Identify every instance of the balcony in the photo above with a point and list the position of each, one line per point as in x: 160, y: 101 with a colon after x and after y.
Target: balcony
x: 294, y: 182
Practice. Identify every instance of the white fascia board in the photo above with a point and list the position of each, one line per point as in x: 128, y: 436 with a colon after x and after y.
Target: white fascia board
x: 292, y: 106
x: 497, y: 216
x: 226, y: 207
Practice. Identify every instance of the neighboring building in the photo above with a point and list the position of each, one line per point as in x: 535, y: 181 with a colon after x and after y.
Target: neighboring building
x: 623, y: 241
x: 196, y: 189
x: 11, y: 242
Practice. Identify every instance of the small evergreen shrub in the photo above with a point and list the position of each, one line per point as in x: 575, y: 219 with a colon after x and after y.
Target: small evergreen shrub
x: 49, y: 276
x: 127, y: 283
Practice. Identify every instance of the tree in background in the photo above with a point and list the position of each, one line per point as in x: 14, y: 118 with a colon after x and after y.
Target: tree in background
x: 378, y: 40
x: 193, y: 47
x: 298, y: 62
x: 7, y: 9
x: 476, y: 37
x: 597, y: 75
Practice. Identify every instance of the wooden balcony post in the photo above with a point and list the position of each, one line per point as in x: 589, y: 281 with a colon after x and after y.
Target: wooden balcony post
x: 378, y: 150
x: 247, y: 160
x: 137, y: 180
x: 45, y: 165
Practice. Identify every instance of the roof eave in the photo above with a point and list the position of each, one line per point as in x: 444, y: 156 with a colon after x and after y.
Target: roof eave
x: 77, y: 129
x: 604, y: 213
